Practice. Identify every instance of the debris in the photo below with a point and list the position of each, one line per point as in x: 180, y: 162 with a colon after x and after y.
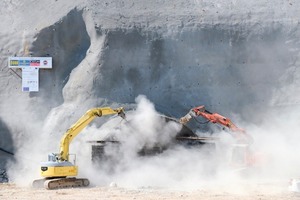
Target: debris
x: 113, y: 184
x: 3, y: 176
x: 294, y: 185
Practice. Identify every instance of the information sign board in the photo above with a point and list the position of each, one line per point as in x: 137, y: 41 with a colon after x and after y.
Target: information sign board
x: 38, y: 62
x: 30, y: 79
x: 30, y: 70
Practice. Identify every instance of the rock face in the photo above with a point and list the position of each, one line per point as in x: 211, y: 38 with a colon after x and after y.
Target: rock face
x: 235, y: 57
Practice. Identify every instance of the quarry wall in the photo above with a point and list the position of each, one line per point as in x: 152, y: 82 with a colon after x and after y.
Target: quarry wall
x: 236, y: 58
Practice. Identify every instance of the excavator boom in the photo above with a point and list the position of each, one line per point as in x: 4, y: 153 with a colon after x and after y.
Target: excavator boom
x: 81, y: 123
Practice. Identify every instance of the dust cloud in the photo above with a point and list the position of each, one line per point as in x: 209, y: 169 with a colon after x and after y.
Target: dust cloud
x: 178, y: 166
x: 184, y: 167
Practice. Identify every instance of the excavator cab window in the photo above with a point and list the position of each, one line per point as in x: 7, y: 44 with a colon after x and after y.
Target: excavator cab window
x: 52, y: 157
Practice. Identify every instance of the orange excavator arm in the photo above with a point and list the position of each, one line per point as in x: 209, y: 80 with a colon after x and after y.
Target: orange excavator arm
x: 238, y: 133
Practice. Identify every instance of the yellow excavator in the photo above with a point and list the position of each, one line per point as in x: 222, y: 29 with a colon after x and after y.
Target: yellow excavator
x: 59, y: 172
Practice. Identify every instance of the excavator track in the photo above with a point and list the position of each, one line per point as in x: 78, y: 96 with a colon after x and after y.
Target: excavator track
x: 59, y: 183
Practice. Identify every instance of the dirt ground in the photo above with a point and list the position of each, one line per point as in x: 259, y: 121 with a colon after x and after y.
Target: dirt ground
x: 264, y: 191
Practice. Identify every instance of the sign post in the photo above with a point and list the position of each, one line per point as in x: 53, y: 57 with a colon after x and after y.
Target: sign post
x: 30, y: 70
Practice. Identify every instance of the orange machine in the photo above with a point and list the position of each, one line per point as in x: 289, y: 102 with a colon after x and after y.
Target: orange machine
x: 242, y: 156
x: 240, y: 134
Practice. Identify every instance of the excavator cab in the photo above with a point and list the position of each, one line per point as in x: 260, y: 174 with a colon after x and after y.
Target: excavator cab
x: 55, y: 168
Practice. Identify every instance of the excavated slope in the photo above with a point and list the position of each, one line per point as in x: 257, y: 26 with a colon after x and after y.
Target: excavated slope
x: 235, y: 57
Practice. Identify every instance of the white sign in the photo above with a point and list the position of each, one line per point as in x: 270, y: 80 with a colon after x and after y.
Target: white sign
x: 36, y: 62
x: 30, y: 79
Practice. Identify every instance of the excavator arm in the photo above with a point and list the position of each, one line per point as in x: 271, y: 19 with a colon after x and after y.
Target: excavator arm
x: 81, y: 123
x: 238, y: 133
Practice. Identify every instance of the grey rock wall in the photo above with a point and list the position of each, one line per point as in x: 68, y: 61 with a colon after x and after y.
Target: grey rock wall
x: 236, y: 57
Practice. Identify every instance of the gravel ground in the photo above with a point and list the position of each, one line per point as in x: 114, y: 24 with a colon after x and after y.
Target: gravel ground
x: 262, y: 191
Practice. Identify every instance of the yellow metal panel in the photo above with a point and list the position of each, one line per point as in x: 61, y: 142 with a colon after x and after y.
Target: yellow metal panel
x: 59, y: 171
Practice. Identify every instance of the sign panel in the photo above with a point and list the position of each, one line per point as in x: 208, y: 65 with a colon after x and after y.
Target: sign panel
x: 36, y: 62
x: 30, y: 79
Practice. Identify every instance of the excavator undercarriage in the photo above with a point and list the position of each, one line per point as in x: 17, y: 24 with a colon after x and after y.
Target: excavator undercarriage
x: 60, y: 182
